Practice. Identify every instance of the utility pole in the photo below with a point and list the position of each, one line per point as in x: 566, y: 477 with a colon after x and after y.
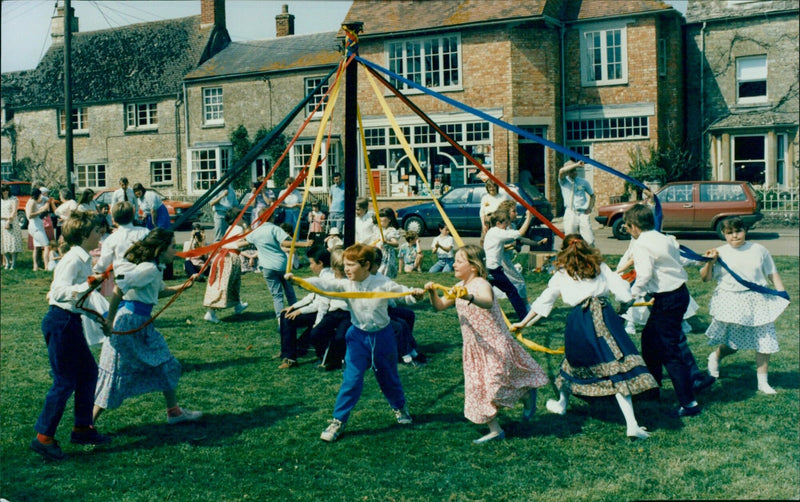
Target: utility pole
x: 68, y: 155
x: 351, y: 141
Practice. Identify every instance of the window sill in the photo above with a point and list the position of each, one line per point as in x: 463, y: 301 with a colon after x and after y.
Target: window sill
x: 83, y: 132
x: 142, y: 130
x: 220, y: 125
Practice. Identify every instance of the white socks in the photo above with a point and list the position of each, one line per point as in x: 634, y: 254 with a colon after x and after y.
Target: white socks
x: 558, y: 407
x: 626, y: 405
x: 713, y: 365
x: 763, y: 386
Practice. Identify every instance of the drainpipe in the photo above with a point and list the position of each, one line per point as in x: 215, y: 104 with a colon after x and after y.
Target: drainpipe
x: 178, y: 171
x: 702, y: 96
x: 186, y: 132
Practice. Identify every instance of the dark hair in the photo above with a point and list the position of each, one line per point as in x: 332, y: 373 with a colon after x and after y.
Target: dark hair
x: 122, y: 212
x: 733, y: 224
x: 138, y: 187
x: 641, y: 216
x: 411, y: 235
x: 388, y: 212
x: 378, y: 256
x: 321, y: 255
x: 35, y: 193
x: 78, y: 226
x: 441, y: 225
x: 231, y: 214
x: 579, y: 259
x: 86, y: 196
x: 151, y: 247
x: 5, y: 188
x: 123, y: 180
x: 360, y: 253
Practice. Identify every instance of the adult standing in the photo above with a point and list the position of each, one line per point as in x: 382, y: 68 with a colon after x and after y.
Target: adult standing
x: 34, y: 210
x: 490, y: 201
x: 64, y: 210
x: 86, y: 201
x: 124, y: 193
x: 291, y: 204
x: 11, y: 233
x: 578, y: 201
x: 336, y: 203
x: 260, y: 202
x: 226, y: 199
x: 155, y: 212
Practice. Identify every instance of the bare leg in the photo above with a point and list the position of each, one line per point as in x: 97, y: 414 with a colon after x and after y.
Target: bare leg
x: 626, y: 405
x: 494, y: 432
x: 96, y: 412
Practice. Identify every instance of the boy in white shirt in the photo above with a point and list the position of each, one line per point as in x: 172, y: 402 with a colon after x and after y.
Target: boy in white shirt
x: 660, y: 274
x: 494, y: 246
x: 445, y: 248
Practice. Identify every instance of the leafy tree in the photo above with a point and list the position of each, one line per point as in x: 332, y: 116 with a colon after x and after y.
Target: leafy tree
x: 663, y: 165
x: 240, y: 139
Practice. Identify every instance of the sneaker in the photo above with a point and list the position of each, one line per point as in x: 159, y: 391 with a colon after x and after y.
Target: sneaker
x: 333, y: 431
x: 50, y: 451
x: 766, y: 388
x: 240, y: 308
x: 287, y: 363
x: 685, y: 411
x: 713, y: 365
x: 402, y: 416
x: 211, y: 316
x: 556, y: 407
x: 185, y: 416
x: 90, y: 436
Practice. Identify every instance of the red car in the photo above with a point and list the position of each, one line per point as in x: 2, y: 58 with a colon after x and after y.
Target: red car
x: 22, y: 191
x: 693, y: 206
x: 174, y: 207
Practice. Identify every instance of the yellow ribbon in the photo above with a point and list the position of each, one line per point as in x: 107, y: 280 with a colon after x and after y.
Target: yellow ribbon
x: 349, y: 294
x: 407, y: 148
x: 370, y: 181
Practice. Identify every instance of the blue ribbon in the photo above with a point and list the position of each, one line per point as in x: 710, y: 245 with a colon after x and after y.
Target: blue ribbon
x: 562, y: 149
x: 758, y: 288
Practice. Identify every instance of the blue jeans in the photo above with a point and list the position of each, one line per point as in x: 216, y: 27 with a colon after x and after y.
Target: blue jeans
x: 443, y: 265
x: 365, y: 350
x: 73, y: 368
x: 336, y: 219
x: 277, y: 287
x: 220, y: 226
x: 498, y: 277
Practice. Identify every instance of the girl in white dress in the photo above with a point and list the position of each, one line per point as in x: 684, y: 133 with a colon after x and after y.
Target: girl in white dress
x: 743, y: 318
x: 34, y: 210
x: 9, y: 225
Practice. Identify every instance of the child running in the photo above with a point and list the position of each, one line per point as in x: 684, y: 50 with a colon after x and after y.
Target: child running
x: 140, y: 362
x: 743, y: 318
x: 498, y: 372
x: 72, y: 364
x: 599, y: 357
x: 494, y: 246
x: 370, y: 340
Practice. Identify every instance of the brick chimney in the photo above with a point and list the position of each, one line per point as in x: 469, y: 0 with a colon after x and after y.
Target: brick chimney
x: 284, y: 22
x: 212, y: 13
x: 57, y: 25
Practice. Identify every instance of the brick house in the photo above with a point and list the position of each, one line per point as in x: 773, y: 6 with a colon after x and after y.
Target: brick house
x: 255, y: 84
x: 743, y: 56
x: 541, y: 65
x: 127, y: 101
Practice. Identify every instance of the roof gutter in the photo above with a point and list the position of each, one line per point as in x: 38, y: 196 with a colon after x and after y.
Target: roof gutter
x: 263, y: 74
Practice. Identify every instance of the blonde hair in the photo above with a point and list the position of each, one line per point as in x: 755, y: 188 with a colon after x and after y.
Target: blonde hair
x: 476, y: 257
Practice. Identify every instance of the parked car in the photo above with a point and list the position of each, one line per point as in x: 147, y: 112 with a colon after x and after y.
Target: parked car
x: 22, y: 191
x: 693, y: 206
x: 462, y: 205
x: 174, y: 207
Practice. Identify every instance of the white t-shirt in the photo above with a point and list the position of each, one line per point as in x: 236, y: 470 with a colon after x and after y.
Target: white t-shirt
x: 574, y: 291
x: 494, y: 242
x: 751, y: 261
x: 446, y: 241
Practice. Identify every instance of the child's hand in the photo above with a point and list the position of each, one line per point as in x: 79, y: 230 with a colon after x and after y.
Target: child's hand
x: 289, y: 276
x: 429, y: 286
x: 712, y: 253
x: 517, y: 326
x: 417, y: 293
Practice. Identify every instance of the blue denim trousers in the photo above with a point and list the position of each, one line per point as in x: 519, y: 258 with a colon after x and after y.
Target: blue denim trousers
x: 365, y: 350
x: 442, y: 265
x: 73, y: 368
x: 278, y: 286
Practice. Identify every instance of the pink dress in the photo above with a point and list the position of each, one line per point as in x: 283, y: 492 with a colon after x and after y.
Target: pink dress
x: 497, y: 369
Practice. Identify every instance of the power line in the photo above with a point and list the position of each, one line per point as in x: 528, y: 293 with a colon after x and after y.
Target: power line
x: 47, y: 35
x: 96, y: 6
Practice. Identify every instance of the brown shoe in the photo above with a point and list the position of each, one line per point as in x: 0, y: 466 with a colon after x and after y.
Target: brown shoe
x: 287, y: 363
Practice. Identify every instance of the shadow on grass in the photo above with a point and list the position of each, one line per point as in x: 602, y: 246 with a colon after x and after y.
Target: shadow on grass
x: 209, y: 431
x: 189, y: 366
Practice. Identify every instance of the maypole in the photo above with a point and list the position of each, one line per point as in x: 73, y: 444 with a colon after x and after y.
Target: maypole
x: 350, y: 133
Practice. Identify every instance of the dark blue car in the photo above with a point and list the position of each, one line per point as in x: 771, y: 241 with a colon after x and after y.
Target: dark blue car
x: 462, y: 205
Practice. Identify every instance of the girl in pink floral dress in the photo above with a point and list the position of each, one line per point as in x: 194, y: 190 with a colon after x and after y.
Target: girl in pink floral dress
x: 498, y: 372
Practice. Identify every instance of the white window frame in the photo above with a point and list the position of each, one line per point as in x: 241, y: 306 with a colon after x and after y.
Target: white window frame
x: 213, y: 106
x: 587, y: 57
x: 735, y: 160
x: 301, y: 153
x: 310, y: 84
x: 416, y: 60
x: 94, y: 176
x: 608, y: 129
x: 749, y: 75
x: 141, y: 116
x: 260, y: 167
x: 6, y: 169
x: 206, y: 165
x: 167, y: 174
x: 80, y: 120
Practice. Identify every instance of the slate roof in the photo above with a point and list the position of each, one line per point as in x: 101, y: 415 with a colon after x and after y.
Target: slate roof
x: 756, y: 119
x: 137, y: 61
x: 698, y: 11
x: 382, y: 17
x: 279, y: 54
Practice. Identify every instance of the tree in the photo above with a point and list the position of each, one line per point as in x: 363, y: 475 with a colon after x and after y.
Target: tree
x: 662, y: 165
x: 242, y: 145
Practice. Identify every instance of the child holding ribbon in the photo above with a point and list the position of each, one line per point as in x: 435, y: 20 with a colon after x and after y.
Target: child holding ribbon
x: 498, y: 372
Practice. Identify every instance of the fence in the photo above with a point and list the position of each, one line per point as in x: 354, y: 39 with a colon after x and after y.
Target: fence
x: 779, y: 205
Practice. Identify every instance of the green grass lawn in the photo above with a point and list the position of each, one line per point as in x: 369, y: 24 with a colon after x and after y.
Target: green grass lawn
x: 260, y: 439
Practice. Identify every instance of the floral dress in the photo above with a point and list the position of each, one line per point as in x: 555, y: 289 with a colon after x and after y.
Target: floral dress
x: 12, y: 236
x: 498, y: 371
x: 389, y: 260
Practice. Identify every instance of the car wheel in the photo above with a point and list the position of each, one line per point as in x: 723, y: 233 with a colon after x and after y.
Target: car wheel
x: 414, y: 224
x: 619, y: 230
x: 22, y: 219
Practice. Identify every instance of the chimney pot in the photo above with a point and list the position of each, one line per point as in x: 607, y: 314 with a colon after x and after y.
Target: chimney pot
x: 57, y: 24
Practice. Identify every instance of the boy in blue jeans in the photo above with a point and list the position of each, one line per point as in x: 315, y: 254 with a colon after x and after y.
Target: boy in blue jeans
x: 72, y: 364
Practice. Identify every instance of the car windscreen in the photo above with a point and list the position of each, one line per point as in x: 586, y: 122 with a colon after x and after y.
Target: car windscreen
x: 457, y: 196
